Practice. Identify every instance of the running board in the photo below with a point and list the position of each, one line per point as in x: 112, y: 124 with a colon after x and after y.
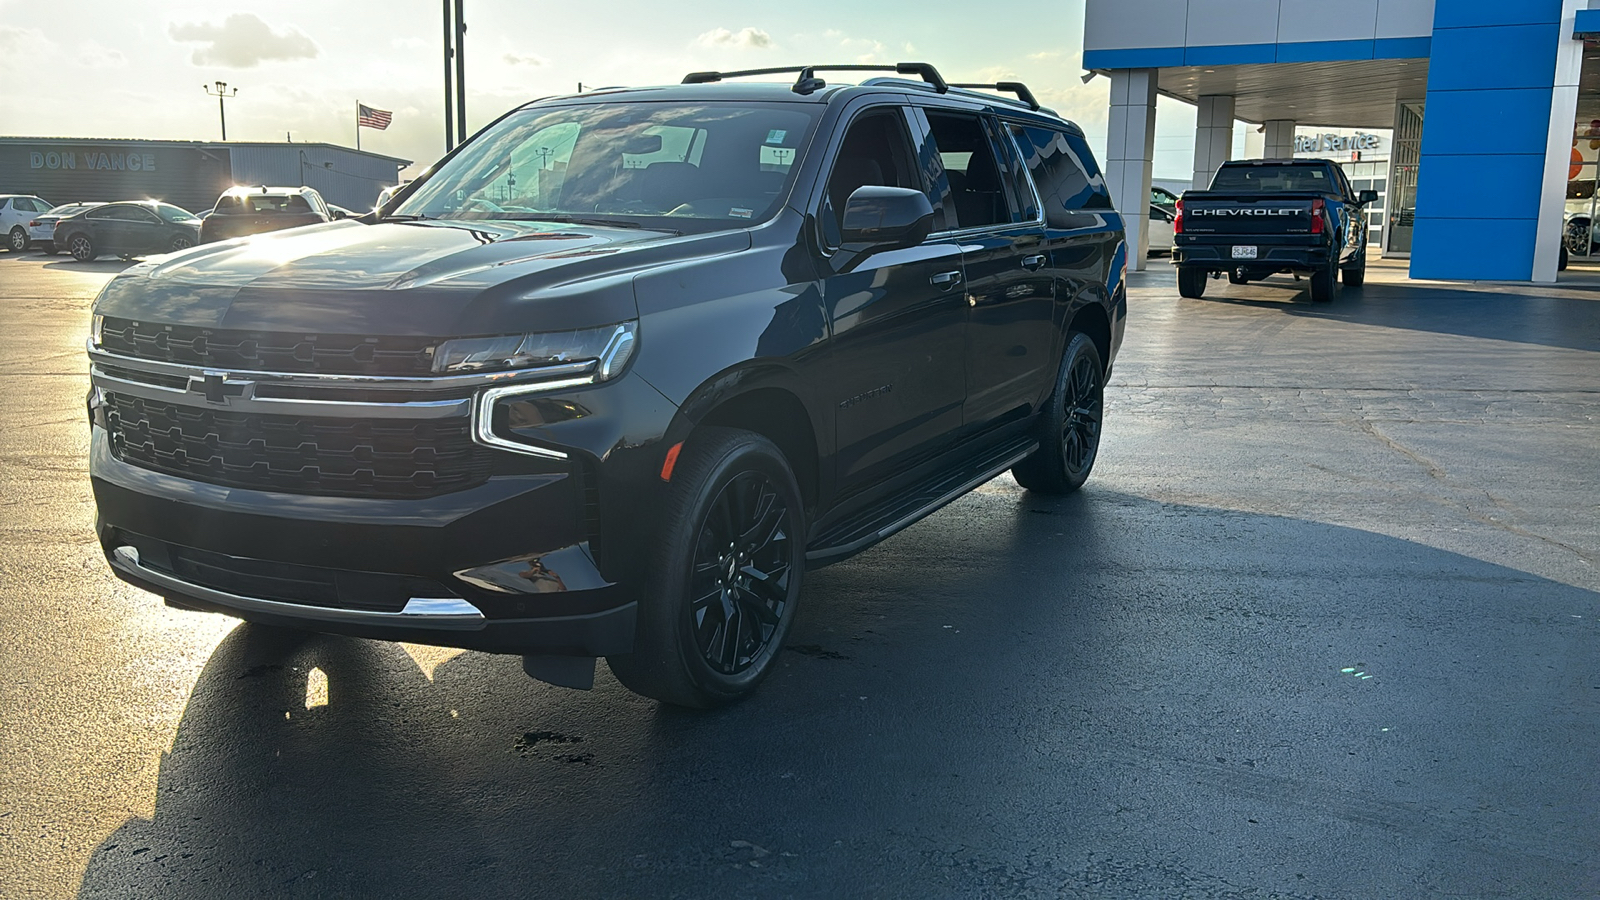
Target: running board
x: 875, y: 523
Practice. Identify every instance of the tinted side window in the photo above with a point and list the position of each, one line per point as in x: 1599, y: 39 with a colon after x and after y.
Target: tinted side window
x: 876, y: 151
x: 1069, y: 182
x: 103, y: 212
x: 976, y: 187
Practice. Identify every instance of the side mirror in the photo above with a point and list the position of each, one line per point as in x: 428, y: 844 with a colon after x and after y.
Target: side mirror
x: 1366, y: 197
x: 886, y: 218
x: 339, y: 214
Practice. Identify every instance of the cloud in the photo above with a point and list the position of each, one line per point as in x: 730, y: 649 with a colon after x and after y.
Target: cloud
x: 242, y: 41
x: 94, y: 55
x: 525, y: 59
x: 749, y: 38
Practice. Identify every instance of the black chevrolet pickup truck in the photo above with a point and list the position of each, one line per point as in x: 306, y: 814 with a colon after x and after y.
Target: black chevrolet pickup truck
x: 1264, y: 217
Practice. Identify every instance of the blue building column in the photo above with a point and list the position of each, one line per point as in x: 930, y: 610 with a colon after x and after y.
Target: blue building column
x: 1487, y: 133
x: 1496, y: 131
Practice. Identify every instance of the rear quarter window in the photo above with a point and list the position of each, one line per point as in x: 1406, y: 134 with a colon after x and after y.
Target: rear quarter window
x: 1069, y: 182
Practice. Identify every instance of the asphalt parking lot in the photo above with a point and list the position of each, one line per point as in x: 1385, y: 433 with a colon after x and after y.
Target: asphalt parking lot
x: 1324, y: 623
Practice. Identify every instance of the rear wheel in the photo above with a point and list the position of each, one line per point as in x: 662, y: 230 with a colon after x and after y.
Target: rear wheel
x: 1069, y: 428
x: 724, y: 577
x: 181, y: 242
x: 1324, y: 283
x: 1192, y: 283
x: 81, y: 248
x: 17, y: 240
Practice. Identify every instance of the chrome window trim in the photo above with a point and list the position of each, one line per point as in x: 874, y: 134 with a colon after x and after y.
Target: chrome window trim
x: 319, y: 379
x: 483, y: 415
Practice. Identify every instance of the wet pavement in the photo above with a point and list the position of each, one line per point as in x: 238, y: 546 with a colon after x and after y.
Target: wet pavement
x: 1324, y: 623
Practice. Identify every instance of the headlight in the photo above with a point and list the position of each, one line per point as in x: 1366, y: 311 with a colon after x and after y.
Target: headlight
x: 610, y: 346
x: 96, y: 324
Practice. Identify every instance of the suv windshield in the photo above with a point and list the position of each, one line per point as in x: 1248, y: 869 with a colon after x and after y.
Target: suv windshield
x: 239, y: 204
x: 655, y: 165
x: 1271, y: 178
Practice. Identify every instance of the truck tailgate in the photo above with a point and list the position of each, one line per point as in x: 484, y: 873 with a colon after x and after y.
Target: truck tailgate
x: 1226, y: 214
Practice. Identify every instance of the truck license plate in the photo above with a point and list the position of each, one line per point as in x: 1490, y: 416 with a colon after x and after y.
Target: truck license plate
x: 1244, y: 253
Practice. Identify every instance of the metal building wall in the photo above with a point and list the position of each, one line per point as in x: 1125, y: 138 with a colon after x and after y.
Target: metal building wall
x: 67, y: 170
x: 343, y: 177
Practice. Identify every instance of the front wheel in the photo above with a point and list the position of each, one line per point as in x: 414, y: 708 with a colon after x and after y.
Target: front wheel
x: 82, y: 248
x: 1324, y: 283
x: 17, y: 240
x: 1069, y: 428
x: 181, y: 242
x: 724, y: 575
x: 1192, y: 283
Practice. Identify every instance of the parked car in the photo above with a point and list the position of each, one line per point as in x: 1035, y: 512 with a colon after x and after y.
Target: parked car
x: 617, y: 373
x: 1263, y: 217
x: 16, y: 211
x: 242, y: 211
x: 127, y: 229
x: 1167, y: 200
x: 42, y: 229
x: 1161, y: 229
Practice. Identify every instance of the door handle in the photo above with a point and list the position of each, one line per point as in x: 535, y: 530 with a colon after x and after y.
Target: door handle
x: 1032, y: 262
x: 946, y: 280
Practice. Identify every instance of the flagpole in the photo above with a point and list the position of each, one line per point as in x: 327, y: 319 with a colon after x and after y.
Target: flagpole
x: 358, y: 124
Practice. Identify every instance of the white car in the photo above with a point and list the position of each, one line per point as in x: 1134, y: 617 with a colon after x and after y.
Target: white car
x: 16, y: 211
x: 1161, y: 230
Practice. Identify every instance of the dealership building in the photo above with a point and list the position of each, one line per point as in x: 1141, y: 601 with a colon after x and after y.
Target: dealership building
x: 190, y: 174
x: 1491, y: 109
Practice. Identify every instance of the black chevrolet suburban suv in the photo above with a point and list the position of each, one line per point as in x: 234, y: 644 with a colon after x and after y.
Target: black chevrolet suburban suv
x: 614, y: 373
x: 1264, y: 217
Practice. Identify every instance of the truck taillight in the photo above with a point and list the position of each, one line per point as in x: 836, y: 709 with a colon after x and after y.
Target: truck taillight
x: 1317, y: 206
x: 1177, y: 220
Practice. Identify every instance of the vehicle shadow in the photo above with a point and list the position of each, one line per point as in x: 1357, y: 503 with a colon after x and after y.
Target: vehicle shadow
x: 1097, y: 695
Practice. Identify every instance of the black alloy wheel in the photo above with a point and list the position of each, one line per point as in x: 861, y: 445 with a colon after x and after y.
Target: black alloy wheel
x: 739, y: 586
x: 1355, y: 275
x: 17, y: 240
x: 181, y: 242
x: 1069, y: 429
x: 1325, y: 282
x: 81, y: 248
x: 723, y: 581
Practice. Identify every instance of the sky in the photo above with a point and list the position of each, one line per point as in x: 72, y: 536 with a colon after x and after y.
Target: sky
x: 132, y: 69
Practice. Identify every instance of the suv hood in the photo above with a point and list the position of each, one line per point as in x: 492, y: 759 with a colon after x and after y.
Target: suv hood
x: 434, y: 278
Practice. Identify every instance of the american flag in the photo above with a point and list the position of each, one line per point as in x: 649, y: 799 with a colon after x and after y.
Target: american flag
x: 373, y: 118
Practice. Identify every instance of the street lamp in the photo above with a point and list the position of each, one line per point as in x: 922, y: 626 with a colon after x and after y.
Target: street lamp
x: 222, y: 93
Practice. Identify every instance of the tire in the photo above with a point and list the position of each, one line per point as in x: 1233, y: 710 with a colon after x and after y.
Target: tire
x: 1069, y: 426
x: 723, y: 579
x: 17, y: 239
x: 1325, y: 282
x: 1561, y: 264
x: 1192, y: 283
x: 181, y: 242
x: 82, y: 248
x: 1356, y: 275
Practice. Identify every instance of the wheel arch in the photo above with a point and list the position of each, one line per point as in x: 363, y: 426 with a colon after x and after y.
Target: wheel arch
x: 765, y: 400
x: 1093, y: 321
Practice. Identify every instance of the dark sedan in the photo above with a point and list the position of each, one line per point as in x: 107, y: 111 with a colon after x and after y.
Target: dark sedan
x: 133, y: 228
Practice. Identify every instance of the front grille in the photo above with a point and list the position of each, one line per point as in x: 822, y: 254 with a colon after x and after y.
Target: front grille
x: 266, y: 351
x: 326, y: 456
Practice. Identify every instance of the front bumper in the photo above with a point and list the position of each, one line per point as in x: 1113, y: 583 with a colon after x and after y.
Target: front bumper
x: 530, y: 552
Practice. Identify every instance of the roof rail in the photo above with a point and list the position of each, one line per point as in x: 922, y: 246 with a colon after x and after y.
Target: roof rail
x: 807, y: 82
x: 1007, y: 87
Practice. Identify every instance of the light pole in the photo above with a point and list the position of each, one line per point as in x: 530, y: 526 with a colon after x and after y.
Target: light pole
x: 222, y: 93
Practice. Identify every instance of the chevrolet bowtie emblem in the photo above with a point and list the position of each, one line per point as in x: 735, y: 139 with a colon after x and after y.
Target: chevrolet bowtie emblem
x: 218, y: 387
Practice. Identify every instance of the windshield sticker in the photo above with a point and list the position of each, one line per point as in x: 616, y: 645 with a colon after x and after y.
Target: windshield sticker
x: 741, y: 213
x: 776, y: 136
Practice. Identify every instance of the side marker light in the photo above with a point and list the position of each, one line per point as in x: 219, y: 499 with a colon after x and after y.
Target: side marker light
x: 672, y: 460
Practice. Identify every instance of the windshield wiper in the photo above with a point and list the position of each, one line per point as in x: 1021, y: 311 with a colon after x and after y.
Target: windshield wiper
x: 415, y: 218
